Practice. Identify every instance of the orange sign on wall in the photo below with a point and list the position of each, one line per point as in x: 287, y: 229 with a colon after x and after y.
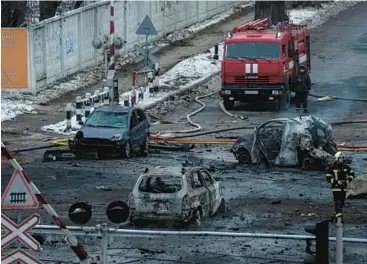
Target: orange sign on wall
x: 14, y: 58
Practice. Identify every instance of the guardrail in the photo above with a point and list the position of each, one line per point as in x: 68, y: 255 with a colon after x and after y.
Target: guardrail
x: 93, y: 231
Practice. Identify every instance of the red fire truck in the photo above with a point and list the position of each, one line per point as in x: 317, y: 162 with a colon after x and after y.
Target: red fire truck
x: 260, y: 62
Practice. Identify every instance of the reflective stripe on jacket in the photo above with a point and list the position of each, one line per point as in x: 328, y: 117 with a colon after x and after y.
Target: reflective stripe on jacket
x: 339, y: 172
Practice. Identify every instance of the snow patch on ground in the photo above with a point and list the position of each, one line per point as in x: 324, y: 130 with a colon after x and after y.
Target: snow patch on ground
x: 199, y: 67
x: 189, y: 70
x: 13, y: 108
x: 314, y: 17
x: 184, y: 73
x: 177, y: 36
x: 186, y: 33
x: 14, y: 104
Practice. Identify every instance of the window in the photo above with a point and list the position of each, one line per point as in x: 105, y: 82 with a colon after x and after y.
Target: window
x: 160, y: 184
x: 253, y: 50
x: 196, y: 181
x: 207, y: 178
x: 283, y: 51
x: 140, y: 116
x: 107, y: 119
x: 133, y: 119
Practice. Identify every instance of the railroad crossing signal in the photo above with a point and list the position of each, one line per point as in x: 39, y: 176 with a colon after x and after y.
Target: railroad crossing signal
x: 19, y: 257
x: 20, y: 232
x: 18, y: 194
x: 321, y: 231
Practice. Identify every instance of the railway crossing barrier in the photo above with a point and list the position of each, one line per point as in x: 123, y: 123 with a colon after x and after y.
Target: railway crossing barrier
x: 104, y: 233
x: 22, y: 193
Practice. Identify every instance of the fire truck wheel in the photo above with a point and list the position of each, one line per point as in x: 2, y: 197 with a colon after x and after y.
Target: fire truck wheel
x: 228, y: 104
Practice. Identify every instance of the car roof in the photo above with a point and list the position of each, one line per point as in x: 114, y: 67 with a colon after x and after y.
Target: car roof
x: 115, y: 108
x: 169, y: 171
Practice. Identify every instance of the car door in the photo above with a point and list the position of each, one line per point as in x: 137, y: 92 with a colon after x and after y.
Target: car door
x: 200, y: 194
x: 213, y: 188
x: 134, y: 130
x: 142, y: 126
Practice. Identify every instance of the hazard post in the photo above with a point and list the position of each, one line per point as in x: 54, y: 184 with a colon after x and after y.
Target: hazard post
x: 17, y: 196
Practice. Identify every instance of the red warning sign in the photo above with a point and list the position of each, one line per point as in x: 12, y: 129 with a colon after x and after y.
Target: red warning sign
x: 18, y: 194
x: 19, y: 256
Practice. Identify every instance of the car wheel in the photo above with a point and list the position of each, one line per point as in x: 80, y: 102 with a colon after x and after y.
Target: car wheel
x: 243, y: 156
x: 222, y: 207
x: 78, y: 155
x: 228, y: 104
x: 196, y: 219
x: 144, y: 149
x: 100, y: 154
x: 126, y: 150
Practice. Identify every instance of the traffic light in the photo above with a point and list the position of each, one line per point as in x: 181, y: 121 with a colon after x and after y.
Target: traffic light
x: 117, y: 212
x: 80, y: 213
x: 321, y: 231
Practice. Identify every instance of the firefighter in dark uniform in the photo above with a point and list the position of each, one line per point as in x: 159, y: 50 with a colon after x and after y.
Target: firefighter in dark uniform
x: 302, y: 87
x: 339, y: 175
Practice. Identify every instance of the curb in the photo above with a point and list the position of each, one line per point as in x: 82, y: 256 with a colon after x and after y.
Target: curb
x: 182, y: 90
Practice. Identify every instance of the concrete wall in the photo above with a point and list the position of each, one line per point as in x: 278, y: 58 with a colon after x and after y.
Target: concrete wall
x: 63, y: 45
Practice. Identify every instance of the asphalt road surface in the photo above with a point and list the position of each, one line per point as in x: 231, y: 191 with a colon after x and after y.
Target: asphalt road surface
x: 258, y: 199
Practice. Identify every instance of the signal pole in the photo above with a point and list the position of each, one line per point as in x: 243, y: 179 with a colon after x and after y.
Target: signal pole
x: 339, y: 241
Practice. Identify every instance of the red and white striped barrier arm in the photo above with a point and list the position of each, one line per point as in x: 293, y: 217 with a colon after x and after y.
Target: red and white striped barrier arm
x: 73, y: 241
x: 112, y: 35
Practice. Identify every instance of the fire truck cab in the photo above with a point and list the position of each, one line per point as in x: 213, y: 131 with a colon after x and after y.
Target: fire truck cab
x: 260, y: 62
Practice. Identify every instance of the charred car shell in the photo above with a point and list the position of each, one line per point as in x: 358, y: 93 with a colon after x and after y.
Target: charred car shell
x: 175, y: 195
x: 288, y: 142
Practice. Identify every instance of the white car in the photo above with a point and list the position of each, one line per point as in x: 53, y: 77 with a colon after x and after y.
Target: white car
x: 175, y: 194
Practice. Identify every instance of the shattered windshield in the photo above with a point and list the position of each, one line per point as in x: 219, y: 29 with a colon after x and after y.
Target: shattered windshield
x: 252, y: 50
x: 161, y: 184
x: 107, y: 119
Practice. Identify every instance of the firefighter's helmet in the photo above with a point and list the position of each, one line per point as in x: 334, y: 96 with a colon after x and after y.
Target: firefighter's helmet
x: 338, y: 155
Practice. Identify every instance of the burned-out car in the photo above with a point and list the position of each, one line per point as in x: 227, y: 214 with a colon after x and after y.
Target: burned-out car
x: 176, y: 195
x: 113, y: 129
x: 305, y: 141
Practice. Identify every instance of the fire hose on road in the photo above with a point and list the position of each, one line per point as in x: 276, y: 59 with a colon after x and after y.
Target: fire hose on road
x: 328, y: 98
x: 198, y: 127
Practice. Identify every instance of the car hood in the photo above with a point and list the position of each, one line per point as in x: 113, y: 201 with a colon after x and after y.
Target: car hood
x: 102, y: 132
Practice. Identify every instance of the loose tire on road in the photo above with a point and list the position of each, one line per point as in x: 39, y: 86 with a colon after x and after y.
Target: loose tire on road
x: 243, y: 156
x: 126, y: 150
x: 228, y: 104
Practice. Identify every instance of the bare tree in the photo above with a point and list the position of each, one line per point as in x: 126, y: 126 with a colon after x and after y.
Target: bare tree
x: 13, y: 13
x: 48, y: 9
x: 275, y: 10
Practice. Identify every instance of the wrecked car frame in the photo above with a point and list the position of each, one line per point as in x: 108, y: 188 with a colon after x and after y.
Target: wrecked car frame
x: 305, y: 141
x: 175, y: 195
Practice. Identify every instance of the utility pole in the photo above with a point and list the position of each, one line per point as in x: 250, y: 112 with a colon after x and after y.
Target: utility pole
x: 112, y: 35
